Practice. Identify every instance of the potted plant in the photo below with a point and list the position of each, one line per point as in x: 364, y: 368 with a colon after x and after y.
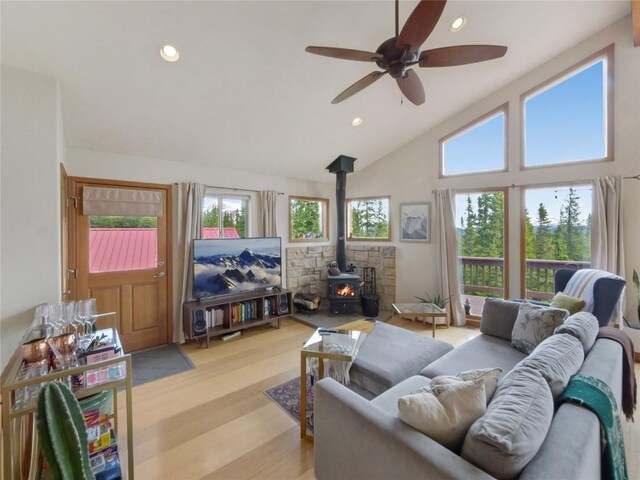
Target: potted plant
x: 437, y: 300
x: 63, y: 433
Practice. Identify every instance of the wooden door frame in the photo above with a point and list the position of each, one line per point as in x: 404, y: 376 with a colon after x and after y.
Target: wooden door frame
x: 73, y: 240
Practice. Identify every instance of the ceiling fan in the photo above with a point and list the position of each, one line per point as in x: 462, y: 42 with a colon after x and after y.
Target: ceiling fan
x: 397, y: 54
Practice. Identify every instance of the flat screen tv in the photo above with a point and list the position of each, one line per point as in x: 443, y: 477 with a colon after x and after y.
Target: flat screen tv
x: 224, y: 266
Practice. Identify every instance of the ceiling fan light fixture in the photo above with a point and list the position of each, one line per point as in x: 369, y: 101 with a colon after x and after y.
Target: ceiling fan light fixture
x: 356, y: 122
x: 169, y: 53
x: 458, y: 24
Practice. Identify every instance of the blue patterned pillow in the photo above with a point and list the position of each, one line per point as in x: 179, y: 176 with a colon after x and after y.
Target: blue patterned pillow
x: 533, y: 324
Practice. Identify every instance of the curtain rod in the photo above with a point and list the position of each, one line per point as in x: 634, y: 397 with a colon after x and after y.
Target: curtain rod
x: 235, y: 189
x: 513, y: 185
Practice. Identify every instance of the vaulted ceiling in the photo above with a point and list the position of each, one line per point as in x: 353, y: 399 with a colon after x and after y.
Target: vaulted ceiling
x: 245, y: 95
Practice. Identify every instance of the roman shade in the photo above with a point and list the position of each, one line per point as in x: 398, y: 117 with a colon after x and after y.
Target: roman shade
x: 122, y: 202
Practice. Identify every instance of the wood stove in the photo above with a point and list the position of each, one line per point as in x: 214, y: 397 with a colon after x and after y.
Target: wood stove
x: 344, y: 293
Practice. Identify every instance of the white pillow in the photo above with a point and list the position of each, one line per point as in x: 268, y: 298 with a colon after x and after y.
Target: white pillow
x: 446, y: 411
x: 488, y: 376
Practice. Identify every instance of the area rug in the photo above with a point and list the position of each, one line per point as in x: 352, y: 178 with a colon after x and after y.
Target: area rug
x: 287, y: 397
x: 159, y: 362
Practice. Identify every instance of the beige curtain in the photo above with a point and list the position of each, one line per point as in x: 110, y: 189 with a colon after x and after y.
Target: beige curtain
x: 190, y: 198
x: 607, y: 235
x: 268, y: 201
x: 121, y: 201
x: 447, y: 245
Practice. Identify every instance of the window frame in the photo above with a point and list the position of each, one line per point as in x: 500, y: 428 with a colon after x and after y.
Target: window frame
x: 608, y: 55
x: 349, y: 238
x: 523, y: 227
x: 505, y: 252
x: 324, y: 220
x: 504, y: 109
x: 231, y: 196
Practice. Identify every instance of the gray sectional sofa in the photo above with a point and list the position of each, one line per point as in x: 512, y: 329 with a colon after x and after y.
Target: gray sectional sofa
x: 356, y: 438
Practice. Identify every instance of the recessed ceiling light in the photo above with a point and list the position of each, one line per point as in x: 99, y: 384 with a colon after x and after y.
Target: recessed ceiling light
x: 458, y: 24
x: 169, y: 53
x: 356, y: 122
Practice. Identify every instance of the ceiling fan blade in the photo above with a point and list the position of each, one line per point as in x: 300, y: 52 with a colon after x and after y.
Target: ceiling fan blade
x: 411, y: 87
x: 359, y: 85
x: 345, y: 53
x: 420, y: 24
x: 460, y: 55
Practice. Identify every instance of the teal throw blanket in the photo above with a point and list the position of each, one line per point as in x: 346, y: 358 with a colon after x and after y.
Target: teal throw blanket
x: 594, y: 394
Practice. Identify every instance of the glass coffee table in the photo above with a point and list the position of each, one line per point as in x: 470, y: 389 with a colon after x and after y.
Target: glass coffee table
x: 325, y: 344
x: 424, y: 311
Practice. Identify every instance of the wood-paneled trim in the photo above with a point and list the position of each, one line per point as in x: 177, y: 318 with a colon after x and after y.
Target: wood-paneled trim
x: 389, y: 238
x: 635, y: 20
x: 505, y: 253
x: 325, y: 219
x: 523, y: 229
x: 608, y: 54
x: 65, y: 292
x: 504, y: 109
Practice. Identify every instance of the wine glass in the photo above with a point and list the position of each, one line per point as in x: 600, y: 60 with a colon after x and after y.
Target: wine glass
x: 68, y: 312
x: 92, y: 312
x: 76, y: 319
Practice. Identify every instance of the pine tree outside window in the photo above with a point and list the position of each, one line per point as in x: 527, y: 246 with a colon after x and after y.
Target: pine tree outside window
x: 308, y: 219
x: 557, y: 234
x: 225, y: 216
x: 368, y: 219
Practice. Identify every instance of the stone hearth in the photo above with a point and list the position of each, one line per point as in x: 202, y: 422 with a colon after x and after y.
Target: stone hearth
x: 307, y: 269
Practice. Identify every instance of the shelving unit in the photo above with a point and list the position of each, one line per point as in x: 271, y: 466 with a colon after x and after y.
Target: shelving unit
x: 20, y: 448
x: 236, y: 312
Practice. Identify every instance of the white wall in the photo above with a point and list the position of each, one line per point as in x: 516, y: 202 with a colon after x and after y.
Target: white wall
x: 411, y: 172
x: 30, y: 239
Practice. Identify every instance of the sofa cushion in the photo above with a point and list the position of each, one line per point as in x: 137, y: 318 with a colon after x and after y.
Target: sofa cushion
x: 582, y: 325
x: 388, y: 401
x: 483, y: 351
x: 567, y: 302
x: 533, y: 324
x: 391, y: 354
x: 498, y: 317
x: 488, y: 376
x: 510, y: 433
x: 557, y: 358
x: 444, y: 412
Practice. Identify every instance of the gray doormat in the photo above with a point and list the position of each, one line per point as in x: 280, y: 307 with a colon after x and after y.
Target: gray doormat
x: 287, y: 397
x: 322, y: 318
x: 159, y: 362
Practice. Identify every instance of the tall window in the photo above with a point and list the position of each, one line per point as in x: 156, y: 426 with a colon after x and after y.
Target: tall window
x: 368, y: 219
x: 308, y: 219
x: 567, y: 118
x: 482, y: 244
x: 476, y: 148
x: 557, y: 232
x: 225, y: 216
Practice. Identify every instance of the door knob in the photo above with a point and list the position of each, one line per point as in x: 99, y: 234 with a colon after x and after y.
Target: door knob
x: 159, y: 275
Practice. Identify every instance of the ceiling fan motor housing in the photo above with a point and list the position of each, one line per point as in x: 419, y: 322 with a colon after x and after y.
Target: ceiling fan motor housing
x: 395, y: 59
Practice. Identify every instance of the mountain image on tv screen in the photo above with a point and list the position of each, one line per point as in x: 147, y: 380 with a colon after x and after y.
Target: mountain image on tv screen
x: 226, y: 266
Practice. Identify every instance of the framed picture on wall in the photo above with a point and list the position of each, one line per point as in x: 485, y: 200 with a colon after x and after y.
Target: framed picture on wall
x: 415, y: 222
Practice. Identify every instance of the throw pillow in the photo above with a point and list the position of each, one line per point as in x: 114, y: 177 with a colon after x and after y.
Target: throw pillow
x: 508, y: 436
x: 573, y: 304
x: 488, y: 376
x: 498, y: 317
x: 444, y: 412
x: 557, y: 359
x: 582, y: 325
x: 533, y: 324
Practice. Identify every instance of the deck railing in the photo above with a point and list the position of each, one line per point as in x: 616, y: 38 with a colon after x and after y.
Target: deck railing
x: 484, y: 276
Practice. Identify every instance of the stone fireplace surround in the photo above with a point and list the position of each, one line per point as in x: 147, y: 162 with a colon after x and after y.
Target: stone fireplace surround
x: 307, y: 269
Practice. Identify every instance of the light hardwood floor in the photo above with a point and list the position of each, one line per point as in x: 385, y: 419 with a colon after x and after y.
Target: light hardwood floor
x: 216, y: 422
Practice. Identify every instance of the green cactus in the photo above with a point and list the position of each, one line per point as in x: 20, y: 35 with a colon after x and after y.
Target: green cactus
x: 63, y: 433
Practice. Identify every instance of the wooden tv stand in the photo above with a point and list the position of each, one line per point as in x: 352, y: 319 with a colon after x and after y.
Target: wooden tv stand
x: 233, y: 313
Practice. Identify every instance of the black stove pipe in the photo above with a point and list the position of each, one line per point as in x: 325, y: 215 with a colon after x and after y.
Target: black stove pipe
x: 341, y: 166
